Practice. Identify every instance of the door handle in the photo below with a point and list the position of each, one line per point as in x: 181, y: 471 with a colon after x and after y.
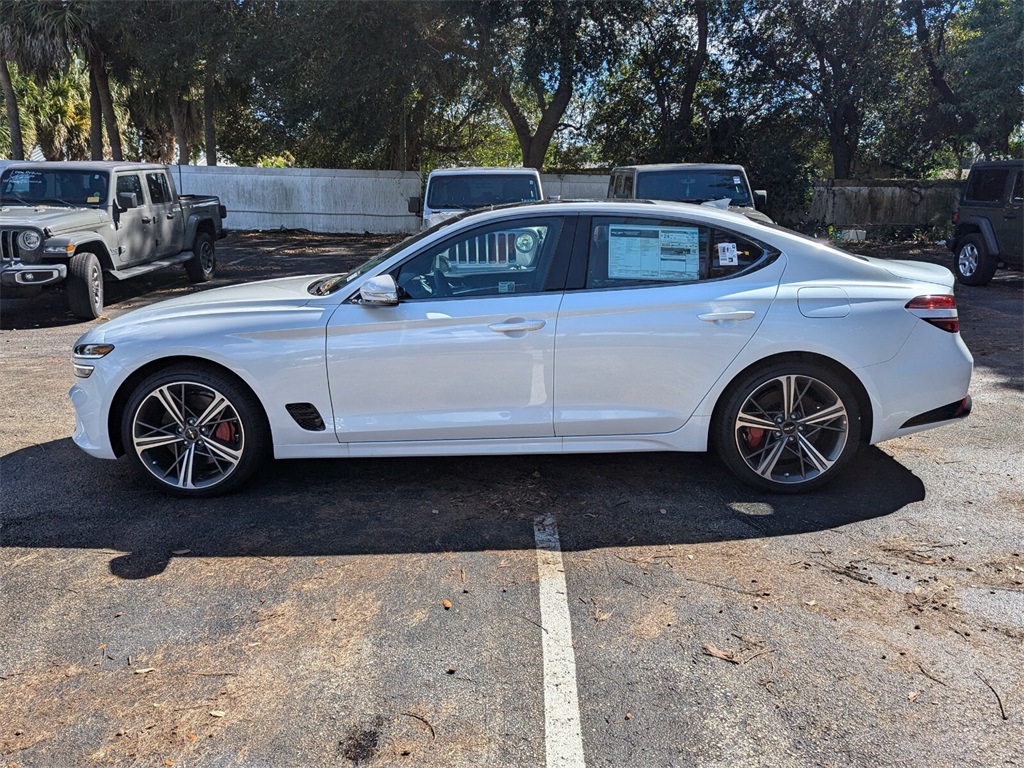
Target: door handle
x: 170, y: 215
x: 145, y: 219
x: 517, y: 326
x: 724, y: 317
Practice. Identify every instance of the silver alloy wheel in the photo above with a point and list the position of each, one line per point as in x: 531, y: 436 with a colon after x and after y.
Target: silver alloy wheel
x: 188, y: 435
x: 791, y: 429
x: 968, y: 259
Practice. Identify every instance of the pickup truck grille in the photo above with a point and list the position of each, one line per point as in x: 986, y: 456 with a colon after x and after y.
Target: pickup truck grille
x: 8, y: 246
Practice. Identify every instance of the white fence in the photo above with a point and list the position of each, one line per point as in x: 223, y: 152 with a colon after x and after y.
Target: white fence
x: 334, y: 201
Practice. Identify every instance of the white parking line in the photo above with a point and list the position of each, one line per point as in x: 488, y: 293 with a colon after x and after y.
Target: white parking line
x: 563, y: 740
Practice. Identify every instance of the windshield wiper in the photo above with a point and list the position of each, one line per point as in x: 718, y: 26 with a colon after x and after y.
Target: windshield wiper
x: 58, y: 200
x: 18, y: 200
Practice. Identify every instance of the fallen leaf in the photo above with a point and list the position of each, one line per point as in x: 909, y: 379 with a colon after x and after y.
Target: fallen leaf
x: 143, y: 671
x: 181, y: 551
x: 447, y: 604
x: 217, y: 713
x: 728, y: 655
x: 912, y: 696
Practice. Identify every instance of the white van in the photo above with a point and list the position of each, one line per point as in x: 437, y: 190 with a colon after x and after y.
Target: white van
x: 452, y: 190
x: 709, y: 183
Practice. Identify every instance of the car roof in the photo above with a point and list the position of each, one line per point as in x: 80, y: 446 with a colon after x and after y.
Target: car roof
x: 680, y: 167
x: 1016, y: 162
x: 85, y: 165
x: 485, y: 170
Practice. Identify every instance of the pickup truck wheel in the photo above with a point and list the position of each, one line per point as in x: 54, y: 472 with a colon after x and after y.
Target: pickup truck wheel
x: 194, y: 432
x: 201, y: 267
x: 974, y: 265
x: 85, y: 286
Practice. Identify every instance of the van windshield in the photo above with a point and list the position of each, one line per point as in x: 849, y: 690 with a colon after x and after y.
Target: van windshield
x: 693, y: 186
x: 466, y: 191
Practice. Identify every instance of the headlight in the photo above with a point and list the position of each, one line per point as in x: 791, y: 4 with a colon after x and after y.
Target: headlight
x: 29, y: 240
x: 525, y: 242
x: 93, y: 351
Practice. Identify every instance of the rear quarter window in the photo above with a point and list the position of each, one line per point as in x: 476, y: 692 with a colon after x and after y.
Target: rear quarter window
x: 986, y: 185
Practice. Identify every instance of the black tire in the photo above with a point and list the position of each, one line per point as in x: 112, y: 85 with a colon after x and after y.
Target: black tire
x: 787, y: 448
x: 203, y: 265
x: 85, y: 286
x: 973, y: 264
x: 192, y: 431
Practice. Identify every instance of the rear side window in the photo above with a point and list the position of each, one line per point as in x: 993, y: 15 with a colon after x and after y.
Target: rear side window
x: 1018, y: 188
x: 637, y: 251
x: 158, y: 189
x: 986, y: 185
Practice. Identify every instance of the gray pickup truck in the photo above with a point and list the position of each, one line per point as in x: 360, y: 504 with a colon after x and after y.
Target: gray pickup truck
x: 80, y: 222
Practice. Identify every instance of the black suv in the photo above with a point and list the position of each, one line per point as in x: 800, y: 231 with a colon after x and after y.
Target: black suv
x: 988, y: 224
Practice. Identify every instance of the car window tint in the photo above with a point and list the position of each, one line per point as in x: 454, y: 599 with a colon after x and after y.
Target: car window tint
x: 503, y: 258
x: 986, y: 185
x: 732, y: 254
x: 1018, y: 187
x: 130, y: 183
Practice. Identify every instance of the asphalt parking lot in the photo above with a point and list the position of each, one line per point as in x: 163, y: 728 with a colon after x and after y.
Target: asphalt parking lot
x: 611, y: 610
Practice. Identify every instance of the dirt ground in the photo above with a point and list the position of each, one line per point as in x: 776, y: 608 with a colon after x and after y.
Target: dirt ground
x: 386, y: 612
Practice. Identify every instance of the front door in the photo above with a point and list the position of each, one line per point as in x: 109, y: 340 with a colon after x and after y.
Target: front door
x: 468, y: 353
x: 134, y: 225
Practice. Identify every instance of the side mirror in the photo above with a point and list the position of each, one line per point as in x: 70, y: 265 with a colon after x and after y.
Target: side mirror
x: 415, y: 205
x: 126, y: 200
x: 760, y: 198
x: 379, y: 291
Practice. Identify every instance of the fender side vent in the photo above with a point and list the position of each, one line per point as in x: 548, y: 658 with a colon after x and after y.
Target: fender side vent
x: 306, y: 416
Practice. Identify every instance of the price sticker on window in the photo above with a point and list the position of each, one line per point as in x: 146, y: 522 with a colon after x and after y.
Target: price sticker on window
x: 727, y: 254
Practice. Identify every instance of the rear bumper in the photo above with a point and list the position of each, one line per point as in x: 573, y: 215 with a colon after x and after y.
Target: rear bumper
x: 961, y: 409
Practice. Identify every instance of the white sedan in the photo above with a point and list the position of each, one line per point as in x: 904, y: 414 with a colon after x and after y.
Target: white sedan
x: 547, y: 328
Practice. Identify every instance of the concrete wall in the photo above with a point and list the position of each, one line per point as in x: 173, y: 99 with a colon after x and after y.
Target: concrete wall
x: 334, y: 201
x: 881, y: 203
x: 377, y: 201
x: 307, y: 198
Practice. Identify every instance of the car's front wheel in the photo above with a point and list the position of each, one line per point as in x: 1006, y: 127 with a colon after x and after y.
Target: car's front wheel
x: 788, y: 427
x: 85, y: 286
x: 193, y: 431
x: 974, y: 265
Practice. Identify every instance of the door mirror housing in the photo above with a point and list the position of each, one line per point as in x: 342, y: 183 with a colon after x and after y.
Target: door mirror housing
x: 416, y: 205
x: 760, y: 198
x: 379, y: 291
x: 126, y: 200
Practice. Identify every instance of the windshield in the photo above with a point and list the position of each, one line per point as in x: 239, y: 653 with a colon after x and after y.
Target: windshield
x: 468, y: 190
x: 36, y: 186
x: 330, y: 284
x: 693, y: 186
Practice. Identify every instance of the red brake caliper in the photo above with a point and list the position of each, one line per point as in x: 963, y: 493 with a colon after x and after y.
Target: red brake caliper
x: 226, y: 432
x: 753, y: 436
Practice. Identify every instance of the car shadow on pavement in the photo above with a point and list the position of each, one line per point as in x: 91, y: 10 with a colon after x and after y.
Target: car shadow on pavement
x: 392, y: 506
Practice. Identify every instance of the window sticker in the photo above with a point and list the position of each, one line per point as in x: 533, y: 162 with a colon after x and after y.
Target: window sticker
x: 643, y: 252
x: 507, y: 287
x: 737, y: 180
x: 727, y: 255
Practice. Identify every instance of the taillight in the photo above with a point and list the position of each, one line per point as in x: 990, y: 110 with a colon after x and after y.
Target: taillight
x: 938, y: 310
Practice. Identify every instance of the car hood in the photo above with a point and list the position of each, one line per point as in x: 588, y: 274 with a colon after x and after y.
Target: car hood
x: 916, y: 270
x: 245, y: 298
x: 56, y: 219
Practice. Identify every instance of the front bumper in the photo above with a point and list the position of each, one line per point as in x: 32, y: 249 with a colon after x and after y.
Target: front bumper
x: 32, y: 274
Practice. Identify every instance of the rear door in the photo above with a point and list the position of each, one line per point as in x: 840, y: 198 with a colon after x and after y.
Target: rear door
x: 663, y: 308
x: 168, y: 228
x: 1010, y: 225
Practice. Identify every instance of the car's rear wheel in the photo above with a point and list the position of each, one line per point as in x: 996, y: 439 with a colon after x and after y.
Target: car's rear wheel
x: 203, y: 265
x: 788, y: 427
x: 974, y: 265
x: 85, y: 286
x: 194, y: 432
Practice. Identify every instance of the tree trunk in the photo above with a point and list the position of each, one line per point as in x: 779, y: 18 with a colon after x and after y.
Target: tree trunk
x: 95, y: 120
x: 97, y: 66
x: 535, y: 145
x: 178, y: 121
x: 11, y: 103
x: 209, y: 106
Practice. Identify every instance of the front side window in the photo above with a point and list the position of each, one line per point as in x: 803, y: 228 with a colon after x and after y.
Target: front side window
x: 508, y: 257
x: 1018, y: 188
x: 986, y: 185
x: 633, y: 251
